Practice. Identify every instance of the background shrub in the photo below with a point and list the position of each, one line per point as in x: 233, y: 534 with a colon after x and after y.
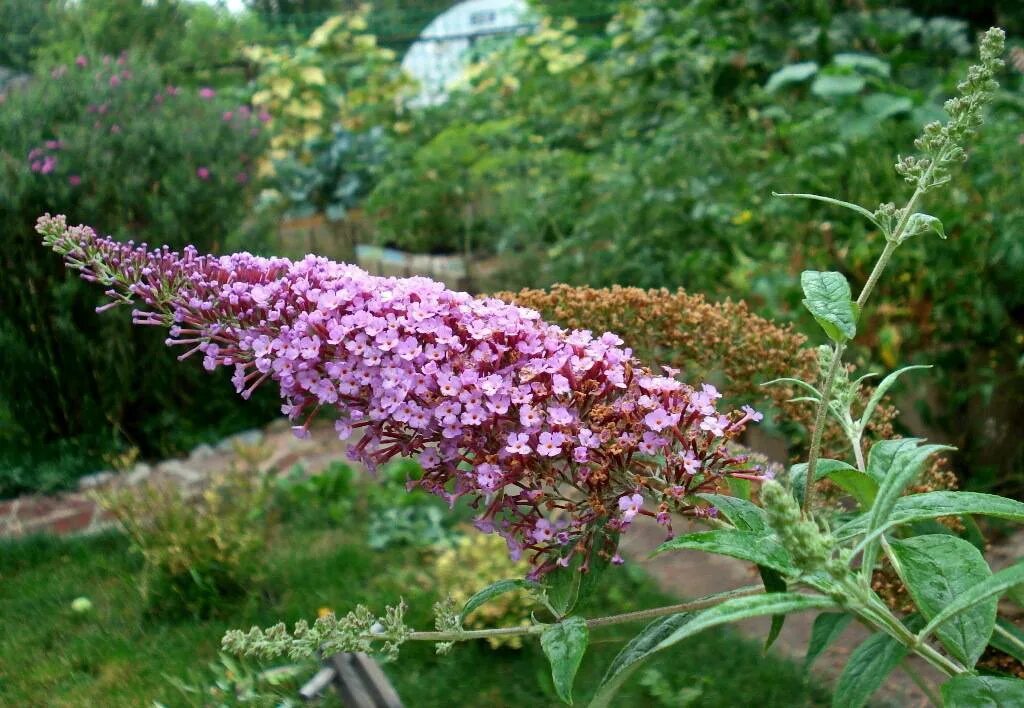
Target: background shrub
x: 108, y: 141
x: 202, y: 553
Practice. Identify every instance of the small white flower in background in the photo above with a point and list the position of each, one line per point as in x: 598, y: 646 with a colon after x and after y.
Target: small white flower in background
x: 81, y: 605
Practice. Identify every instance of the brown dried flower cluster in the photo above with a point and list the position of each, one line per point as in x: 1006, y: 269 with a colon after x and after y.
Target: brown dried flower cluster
x: 723, y: 342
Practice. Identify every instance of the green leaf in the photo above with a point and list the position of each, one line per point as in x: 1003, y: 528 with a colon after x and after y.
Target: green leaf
x: 965, y: 691
x: 639, y: 649
x: 792, y: 74
x: 1012, y: 644
x: 739, y: 488
x: 867, y: 668
x: 932, y: 505
x: 828, y: 626
x: 773, y: 582
x: 885, y: 105
x: 896, y: 464
x: 839, y: 471
x: 828, y: 298
x: 859, y: 485
x: 564, y: 645
x: 883, y: 387
x: 866, y: 213
x: 863, y: 61
x: 491, y: 591
x: 919, y: 223
x: 993, y: 586
x: 562, y: 587
x: 742, y: 608
x: 744, y: 515
x: 937, y: 570
x: 837, y: 85
x: 753, y: 546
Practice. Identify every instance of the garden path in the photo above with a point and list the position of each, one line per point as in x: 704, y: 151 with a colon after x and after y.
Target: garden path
x: 683, y: 573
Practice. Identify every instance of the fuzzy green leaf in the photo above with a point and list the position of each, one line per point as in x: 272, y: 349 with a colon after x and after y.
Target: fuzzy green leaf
x: 491, y: 591
x: 562, y: 587
x: 564, y: 645
x: 773, y: 582
x: 938, y: 568
x: 1008, y: 638
x: 639, y: 649
x: 744, y: 515
x: 932, y: 505
x: 827, y: 297
x: 867, y: 668
x: 753, y: 546
x: 919, y: 223
x: 967, y: 691
x: 991, y: 587
x: 829, y: 200
x: 835, y: 469
x: 827, y: 628
x: 743, y: 608
x: 896, y: 465
x: 883, y: 387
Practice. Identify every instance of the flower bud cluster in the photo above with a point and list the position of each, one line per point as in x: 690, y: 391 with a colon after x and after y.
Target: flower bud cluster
x: 941, y: 144
x: 810, y: 549
x: 549, y: 433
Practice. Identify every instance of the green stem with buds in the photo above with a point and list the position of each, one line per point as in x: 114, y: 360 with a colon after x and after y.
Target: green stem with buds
x: 892, y: 241
x: 638, y: 616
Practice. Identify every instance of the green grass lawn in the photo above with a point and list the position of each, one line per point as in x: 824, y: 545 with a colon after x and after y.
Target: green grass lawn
x: 117, y: 655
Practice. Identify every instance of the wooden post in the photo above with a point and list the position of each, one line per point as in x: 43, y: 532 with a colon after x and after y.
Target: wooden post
x: 358, y: 680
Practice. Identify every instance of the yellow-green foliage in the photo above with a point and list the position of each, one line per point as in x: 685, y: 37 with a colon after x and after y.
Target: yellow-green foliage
x: 476, y: 561
x: 199, y: 551
x: 338, y: 76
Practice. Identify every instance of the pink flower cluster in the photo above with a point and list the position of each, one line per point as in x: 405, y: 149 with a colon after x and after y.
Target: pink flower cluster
x: 558, y: 439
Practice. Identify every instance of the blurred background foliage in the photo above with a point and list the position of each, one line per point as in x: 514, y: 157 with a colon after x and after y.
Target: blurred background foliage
x: 614, y: 143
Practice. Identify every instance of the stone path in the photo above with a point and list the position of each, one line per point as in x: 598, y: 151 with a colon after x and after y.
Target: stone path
x: 683, y: 573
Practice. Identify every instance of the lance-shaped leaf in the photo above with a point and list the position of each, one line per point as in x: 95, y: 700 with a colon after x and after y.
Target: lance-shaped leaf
x: 753, y: 546
x: 894, y: 466
x: 1008, y: 638
x: 827, y: 297
x: 644, y: 645
x: 992, y: 586
x: 564, y: 645
x: 668, y: 631
x: 773, y: 582
x: 562, y: 587
x: 848, y: 477
x: 867, y: 668
x: 883, y: 387
x: 491, y: 591
x: 937, y: 569
x: 965, y: 691
x: 742, y: 608
x: 826, y: 629
x: 743, y: 514
x: 829, y: 200
x: 933, y: 505
x: 639, y: 649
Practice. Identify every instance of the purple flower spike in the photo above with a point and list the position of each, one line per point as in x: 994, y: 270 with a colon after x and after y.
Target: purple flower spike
x: 551, y: 435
